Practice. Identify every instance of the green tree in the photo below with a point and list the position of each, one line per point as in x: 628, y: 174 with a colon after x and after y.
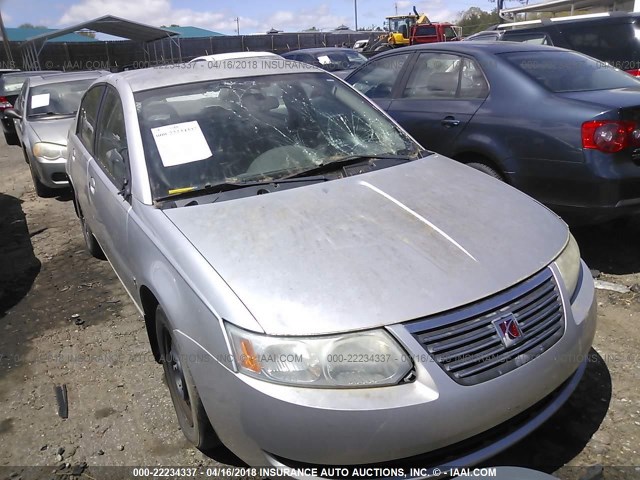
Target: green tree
x: 30, y: 25
x: 475, y: 20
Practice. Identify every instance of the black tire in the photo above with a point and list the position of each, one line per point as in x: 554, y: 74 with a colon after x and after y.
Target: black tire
x: 93, y: 247
x: 192, y: 417
x: 11, y: 138
x: 41, y: 189
x: 484, y: 168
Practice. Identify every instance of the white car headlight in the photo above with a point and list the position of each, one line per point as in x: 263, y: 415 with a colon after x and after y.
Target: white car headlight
x: 364, y: 359
x: 49, y: 151
x: 568, y: 262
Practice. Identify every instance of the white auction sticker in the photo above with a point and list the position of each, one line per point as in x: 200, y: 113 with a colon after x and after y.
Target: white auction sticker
x: 324, y: 60
x: 41, y: 100
x: 181, y: 143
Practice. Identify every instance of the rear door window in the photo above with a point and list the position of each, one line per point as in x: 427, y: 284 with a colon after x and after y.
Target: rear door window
x: 445, y: 76
x: 112, y: 138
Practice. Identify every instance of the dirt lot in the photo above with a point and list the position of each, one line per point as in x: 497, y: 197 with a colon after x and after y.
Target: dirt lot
x: 65, y: 319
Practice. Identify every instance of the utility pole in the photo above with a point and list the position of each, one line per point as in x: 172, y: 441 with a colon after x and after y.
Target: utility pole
x: 396, y: 5
x: 5, y: 41
x: 355, y: 6
x: 237, y: 19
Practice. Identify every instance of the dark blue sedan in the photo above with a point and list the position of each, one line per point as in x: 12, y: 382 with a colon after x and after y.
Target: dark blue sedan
x: 558, y: 125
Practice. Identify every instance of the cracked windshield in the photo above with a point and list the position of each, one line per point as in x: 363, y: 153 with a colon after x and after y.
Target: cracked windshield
x: 258, y: 129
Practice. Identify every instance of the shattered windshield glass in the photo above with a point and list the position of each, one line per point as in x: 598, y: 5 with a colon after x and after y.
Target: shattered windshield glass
x: 259, y: 128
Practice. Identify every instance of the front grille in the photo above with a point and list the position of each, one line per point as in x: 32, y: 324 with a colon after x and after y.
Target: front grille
x: 466, y: 344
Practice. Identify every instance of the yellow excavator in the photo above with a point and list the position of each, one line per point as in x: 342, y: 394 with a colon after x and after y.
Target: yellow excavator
x: 411, y: 29
x: 400, y: 27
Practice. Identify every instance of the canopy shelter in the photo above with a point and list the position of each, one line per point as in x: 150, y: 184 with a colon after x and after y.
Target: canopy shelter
x: 560, y: 6
x: 147, y: 35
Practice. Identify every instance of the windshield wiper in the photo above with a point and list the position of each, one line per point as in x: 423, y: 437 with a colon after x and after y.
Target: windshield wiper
x: 49, y: 114
x: 227, y: 186
x: 346, y: 161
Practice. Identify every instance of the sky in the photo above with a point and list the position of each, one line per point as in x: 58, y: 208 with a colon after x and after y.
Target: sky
x: 255, y: 16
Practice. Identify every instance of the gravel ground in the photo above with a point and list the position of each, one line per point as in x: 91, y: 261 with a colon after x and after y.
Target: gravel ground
x: 66, y: 320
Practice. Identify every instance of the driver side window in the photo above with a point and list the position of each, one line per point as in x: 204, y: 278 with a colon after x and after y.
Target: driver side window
x: 111, y: 148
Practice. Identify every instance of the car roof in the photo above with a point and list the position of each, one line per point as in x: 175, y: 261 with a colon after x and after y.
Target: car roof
x: 489, y: 47
x: 606, y: 17
x: 484, y: 33
x: 319, y: 50
x: 29, y: 73
x: 219, y: 57
x: 193, y: 72
x: 60, y: 77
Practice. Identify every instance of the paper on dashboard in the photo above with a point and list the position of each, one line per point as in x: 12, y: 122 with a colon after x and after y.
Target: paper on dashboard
x: 181, y: 143
x: 41, y: 100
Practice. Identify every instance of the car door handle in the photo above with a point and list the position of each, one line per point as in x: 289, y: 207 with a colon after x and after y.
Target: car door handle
x: 92, y: 185
x: 450, y: 122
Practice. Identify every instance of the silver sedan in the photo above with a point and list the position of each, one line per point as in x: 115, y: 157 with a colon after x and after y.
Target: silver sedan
x: 319, y: 288
x: 43, y: 112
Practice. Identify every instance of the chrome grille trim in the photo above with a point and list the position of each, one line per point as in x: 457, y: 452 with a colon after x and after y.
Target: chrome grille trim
x: 466, y: 345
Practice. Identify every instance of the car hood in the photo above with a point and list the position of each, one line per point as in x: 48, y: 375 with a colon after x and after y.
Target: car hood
x: 373, y: 249
x: 52, y: 130
x: 616, y: 98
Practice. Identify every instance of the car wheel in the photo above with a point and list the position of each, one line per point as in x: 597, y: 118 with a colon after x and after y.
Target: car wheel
x: 192, y: 417
x: 484, y: 168
x: 93, y: 247
x: 41, y: 189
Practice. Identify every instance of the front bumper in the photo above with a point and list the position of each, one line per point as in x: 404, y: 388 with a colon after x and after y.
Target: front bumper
x: 51, y: 173
x: 267, y: 424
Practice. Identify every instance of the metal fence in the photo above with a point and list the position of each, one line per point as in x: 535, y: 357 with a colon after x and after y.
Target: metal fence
x: 117, y: 55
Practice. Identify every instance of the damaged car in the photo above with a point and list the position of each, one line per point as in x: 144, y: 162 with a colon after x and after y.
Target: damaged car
x: 319, y: 288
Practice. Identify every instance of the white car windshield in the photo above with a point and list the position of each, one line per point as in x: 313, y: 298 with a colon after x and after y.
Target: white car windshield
x: 60, y: 98
x: 258, y: 128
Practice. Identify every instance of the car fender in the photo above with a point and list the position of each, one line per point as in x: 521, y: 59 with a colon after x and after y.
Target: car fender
x: 173, y: 272
x: 474, y: 142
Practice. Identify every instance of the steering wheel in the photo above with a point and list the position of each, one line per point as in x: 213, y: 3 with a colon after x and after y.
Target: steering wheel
x: 289, y: 157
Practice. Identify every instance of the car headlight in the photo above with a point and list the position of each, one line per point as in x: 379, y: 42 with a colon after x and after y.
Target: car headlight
x: 49, y: 151
x: 364, y: 359
x: 568, y: 262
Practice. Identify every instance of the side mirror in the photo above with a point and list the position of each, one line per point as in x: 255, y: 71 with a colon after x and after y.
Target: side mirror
x: 11, y: 113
